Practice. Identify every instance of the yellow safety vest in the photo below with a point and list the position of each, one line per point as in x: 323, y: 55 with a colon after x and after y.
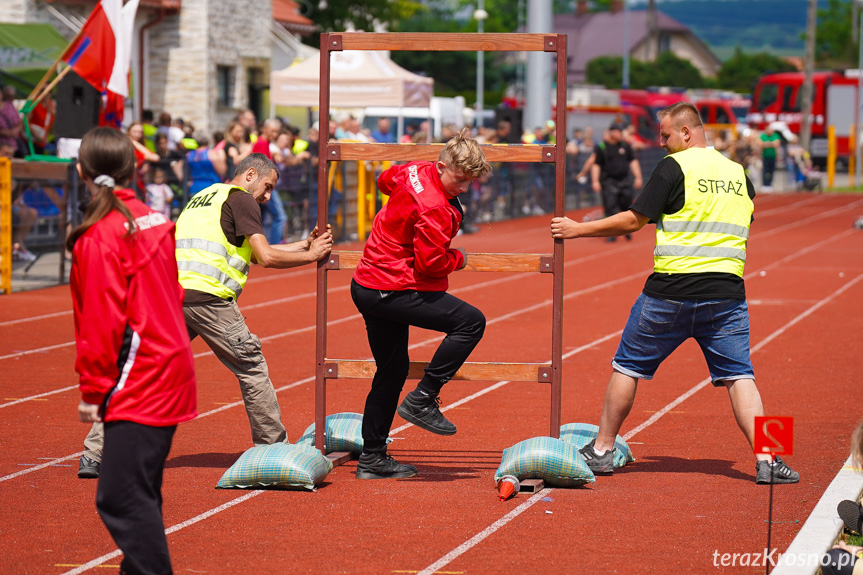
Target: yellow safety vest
x: 207, y: 261
x: 709, y: 234
x: 150, y: 132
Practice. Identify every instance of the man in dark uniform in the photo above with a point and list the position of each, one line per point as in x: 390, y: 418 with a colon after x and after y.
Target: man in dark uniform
x: 615, y: 172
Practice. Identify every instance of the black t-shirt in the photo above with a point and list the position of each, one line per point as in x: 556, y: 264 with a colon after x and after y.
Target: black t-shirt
x: 241, y: 218
x: 613, y: 159
x: 665, y: 194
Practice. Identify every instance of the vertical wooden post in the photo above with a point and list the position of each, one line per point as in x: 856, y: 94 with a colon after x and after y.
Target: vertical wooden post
x: 323, y: 216
x: 5, y: 225
x: 559, y: 208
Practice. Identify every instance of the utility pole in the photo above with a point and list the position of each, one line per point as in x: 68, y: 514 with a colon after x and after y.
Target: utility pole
x: 808, y: 67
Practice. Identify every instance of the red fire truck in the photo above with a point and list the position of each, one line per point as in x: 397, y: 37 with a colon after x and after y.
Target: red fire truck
x: 778, y: 98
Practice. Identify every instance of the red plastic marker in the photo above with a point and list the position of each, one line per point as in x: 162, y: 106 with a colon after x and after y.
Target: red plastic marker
x: 508, y: 486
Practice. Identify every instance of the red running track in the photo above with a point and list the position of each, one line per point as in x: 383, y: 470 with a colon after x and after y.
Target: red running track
x: 691, y: 492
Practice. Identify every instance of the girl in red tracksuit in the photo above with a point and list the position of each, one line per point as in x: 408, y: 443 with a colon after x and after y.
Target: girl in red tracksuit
x: 134, y: 358
x: 401, y: 281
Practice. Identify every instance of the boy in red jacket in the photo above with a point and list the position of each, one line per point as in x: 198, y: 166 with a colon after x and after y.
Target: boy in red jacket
x: 401, y: 281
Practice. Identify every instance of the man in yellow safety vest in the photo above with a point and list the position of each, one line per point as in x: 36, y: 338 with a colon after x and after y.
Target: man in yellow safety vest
x: 702, y: 205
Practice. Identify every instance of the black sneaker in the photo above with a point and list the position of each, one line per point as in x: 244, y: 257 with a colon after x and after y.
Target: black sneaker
x: 382, y: 466
x: 780, y: 472
x: 87, y: 468
x: 599, y: 464
x: 425, y: 413
x: 851, y: 514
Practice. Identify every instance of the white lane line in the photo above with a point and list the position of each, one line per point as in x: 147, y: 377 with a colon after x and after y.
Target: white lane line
x: 515, y: 277
x: 464, y: 547
x: 42, y: 466
x: 35, y: 318
x: 33, y: 397
x: 99, y: 560
x: 476, y: 539
x: 207, y: 514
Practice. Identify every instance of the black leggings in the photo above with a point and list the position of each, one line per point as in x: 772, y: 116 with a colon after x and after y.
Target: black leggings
x: 129, y: 495
x: 388, y: 317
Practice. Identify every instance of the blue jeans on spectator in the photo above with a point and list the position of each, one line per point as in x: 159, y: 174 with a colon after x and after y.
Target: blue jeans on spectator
x: 276, y: 208
x: 656, y: 327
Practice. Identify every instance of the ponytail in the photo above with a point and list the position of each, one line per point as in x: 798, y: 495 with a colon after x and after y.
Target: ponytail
x: 107, y: 157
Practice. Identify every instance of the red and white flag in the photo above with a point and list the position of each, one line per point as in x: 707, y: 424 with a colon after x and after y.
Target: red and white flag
x: 102, y: 54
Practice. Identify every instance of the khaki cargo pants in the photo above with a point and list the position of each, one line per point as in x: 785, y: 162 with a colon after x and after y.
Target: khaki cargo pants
x: 224, y: 330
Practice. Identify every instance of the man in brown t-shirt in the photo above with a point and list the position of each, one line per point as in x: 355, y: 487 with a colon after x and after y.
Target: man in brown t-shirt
x: 218, y: 320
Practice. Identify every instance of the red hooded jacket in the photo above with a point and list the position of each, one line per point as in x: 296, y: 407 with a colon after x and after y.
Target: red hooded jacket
x: 133, y: 347
x: 408, y: 248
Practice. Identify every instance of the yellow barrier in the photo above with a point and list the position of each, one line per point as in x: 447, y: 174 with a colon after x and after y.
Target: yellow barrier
x: 831, y: 156
x: 852, y: 159
x: 5, y: 225
x: 720, y: 127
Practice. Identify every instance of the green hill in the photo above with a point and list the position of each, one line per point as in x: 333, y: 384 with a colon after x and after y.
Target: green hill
x: 775, y: 26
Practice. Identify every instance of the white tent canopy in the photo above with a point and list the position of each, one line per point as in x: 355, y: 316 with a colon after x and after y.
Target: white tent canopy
x: 358, y: 79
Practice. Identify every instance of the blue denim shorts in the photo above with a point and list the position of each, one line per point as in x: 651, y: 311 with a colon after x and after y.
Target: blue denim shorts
x: 656, y: 327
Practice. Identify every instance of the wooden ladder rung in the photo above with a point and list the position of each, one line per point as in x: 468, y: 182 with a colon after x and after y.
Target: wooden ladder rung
x: 430, y: 152
x: 345, y: 260
x: 488, y: 42
x: 479, y: 371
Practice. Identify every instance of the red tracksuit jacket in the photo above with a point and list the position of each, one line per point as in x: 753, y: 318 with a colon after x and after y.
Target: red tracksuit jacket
x: 408, y: 248
x: 129, y: 328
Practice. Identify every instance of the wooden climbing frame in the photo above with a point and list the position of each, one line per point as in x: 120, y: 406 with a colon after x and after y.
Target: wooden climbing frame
x: 550, y: 372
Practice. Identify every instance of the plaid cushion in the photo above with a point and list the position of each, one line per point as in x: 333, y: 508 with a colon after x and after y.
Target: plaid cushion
x: 344, y: 432
x: 277, y: 466
x: 554, y: 461
x: 580, y: 434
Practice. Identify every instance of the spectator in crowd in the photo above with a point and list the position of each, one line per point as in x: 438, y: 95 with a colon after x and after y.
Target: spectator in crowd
x: 615, y: 173
x: 171, y: 161
x: 383, y: 135
x: 135, y: 131
x: 175, y: 134
x: 150, y: 129
x: 159, y: 193
x: 236, y: 144
x: 246, y: 118
x: 292, y: 186
x: 845, y: 559
x: 206, y: 165
x: 770, y: 142
x: 11, y: 125
x: 408, y: 136
x: 133, y: 348
x: 23, y: 217
x: 274, y: 206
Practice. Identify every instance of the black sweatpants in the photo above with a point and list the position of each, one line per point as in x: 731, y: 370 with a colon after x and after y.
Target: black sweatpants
x: 388, y: 317
x: 617, y: 195
x: 129, y: 495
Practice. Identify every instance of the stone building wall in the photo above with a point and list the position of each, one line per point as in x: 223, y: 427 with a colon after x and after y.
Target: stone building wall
x: 185, y: 50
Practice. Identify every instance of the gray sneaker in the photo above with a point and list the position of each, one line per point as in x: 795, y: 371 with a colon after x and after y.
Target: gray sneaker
x: 599, y: 464
x: 88, y: 468
x: 777, y: 473
x: 425, y: 413
x: 382, y: 466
